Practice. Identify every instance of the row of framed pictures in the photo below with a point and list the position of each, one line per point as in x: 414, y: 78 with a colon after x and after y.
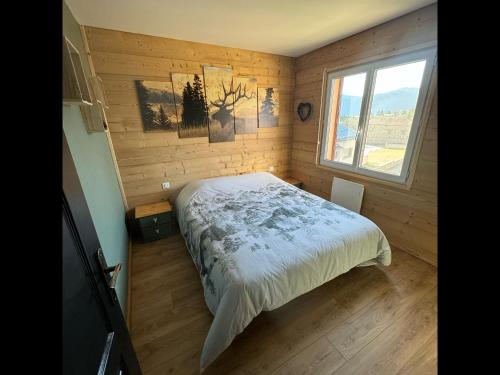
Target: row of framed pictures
x: 216, y: 105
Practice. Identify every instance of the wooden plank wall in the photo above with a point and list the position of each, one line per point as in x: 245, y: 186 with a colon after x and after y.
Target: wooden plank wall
x: 146, y: 160
x: 408, y: 218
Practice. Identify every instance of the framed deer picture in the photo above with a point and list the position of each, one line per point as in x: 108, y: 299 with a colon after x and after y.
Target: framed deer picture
x: 190, y: 105
x: 245, y: 108
x: 219, y: 89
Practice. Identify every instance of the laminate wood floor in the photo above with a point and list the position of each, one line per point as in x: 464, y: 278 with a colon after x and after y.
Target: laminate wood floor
x: 370, y: 320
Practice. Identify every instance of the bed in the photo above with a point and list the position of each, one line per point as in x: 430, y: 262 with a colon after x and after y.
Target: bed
x: 259, y: 242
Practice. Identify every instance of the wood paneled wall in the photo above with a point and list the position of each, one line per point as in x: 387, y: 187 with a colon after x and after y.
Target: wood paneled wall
x: 407, y: 217
x: 146, y: 160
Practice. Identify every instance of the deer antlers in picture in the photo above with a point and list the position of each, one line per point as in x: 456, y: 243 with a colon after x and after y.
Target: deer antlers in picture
x: 227, y: 93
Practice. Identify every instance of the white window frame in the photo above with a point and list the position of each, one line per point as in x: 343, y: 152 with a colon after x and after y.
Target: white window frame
x: 429, y: 54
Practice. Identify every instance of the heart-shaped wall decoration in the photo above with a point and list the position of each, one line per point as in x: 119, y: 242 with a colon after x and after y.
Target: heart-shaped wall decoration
x: 304, y: 110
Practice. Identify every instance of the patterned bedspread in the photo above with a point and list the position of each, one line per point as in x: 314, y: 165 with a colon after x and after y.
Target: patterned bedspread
x: 259, y: 242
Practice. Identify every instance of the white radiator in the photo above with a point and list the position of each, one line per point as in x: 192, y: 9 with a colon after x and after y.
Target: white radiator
x: 347, y: 194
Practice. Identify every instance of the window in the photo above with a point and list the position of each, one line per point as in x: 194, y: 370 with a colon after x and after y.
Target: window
x: 373, y: 114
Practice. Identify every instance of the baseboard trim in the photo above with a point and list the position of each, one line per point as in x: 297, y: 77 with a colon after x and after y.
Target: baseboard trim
x: 432, y: 262
x: 129, y: 284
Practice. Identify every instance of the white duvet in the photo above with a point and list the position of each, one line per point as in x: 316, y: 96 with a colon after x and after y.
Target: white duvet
x: 258, y: 242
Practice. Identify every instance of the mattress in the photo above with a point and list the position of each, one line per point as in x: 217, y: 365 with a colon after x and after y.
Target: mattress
x: 259, y: 242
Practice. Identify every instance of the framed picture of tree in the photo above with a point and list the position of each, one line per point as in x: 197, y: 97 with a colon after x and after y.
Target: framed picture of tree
x: 220, y: 92
x: 245, y: 109
x: 157, y: 105
x: 190, y: 105
x: 269, y: 107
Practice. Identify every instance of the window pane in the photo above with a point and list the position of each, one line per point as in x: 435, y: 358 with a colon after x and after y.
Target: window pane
x: 391, y: 116
x: 345, y: 107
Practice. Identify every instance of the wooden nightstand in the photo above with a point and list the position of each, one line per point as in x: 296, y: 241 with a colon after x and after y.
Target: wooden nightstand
x: 155, y: 221
x: 293, y: 181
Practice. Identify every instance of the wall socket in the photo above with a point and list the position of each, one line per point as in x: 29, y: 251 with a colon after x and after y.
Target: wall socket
x: 165, y: 185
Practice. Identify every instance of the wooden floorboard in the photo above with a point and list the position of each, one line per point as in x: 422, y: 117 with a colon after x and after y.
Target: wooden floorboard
x: 370, y: 320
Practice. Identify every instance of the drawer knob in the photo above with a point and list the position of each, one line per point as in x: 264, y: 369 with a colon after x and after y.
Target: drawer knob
x: 155, y: 219
x: 157, y: 231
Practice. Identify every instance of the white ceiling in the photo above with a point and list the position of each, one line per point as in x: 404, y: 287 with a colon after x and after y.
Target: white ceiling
x: 284, y: 27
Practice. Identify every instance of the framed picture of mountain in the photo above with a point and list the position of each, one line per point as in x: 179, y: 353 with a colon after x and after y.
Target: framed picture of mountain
x: 190, y: 105
x: 269, y: 107
x: 157, y: 105
x: 219, y: 89
x: 245, y: 109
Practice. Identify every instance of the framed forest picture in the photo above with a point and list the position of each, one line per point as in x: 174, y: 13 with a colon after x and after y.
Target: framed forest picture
x: 190, y: 105
x: 157, y: 105
x: 269, y: 107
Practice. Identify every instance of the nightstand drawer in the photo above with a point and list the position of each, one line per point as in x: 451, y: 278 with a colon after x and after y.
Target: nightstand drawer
x: 156, y: 232
x: 155, y: 219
